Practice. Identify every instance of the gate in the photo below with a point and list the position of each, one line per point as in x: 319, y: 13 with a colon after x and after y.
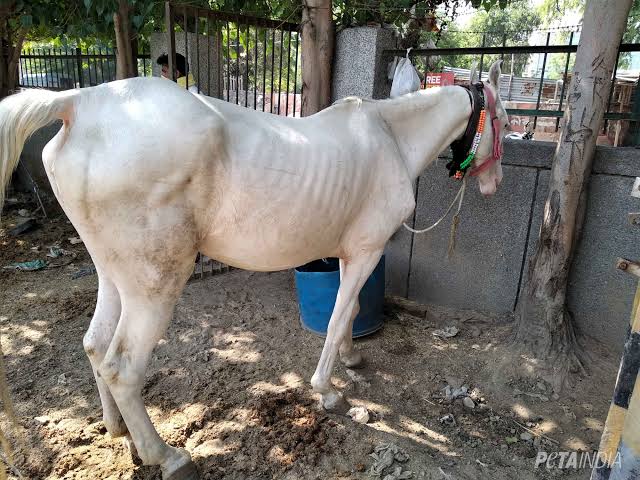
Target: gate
x: 249, y: 61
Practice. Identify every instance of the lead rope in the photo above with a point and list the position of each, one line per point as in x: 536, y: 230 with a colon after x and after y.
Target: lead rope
x: 454, y: 226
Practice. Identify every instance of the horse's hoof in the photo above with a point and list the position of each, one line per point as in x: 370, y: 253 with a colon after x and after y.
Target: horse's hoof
x: 334, y: 402
x: 188, y: 471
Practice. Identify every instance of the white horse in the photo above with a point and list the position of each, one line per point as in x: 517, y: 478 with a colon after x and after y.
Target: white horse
x: 150, y: 174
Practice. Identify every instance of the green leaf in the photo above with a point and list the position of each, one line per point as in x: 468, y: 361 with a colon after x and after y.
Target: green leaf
x: 137, y: 21
x: 87, y: 4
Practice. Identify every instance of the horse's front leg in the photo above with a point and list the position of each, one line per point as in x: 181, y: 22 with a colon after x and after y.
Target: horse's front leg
x: 349, y: 356
x: 354, y: 274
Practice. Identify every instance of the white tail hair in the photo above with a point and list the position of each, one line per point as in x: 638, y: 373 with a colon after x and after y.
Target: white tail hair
x: 20, y: 116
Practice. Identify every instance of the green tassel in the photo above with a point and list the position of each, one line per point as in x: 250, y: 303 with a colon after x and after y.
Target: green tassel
x: 467, y: 162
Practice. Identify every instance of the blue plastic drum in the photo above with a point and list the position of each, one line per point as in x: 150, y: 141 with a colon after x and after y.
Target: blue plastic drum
x: 317, y: 285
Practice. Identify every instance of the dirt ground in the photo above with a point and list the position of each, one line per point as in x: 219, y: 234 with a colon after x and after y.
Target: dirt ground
x: 230, y: 383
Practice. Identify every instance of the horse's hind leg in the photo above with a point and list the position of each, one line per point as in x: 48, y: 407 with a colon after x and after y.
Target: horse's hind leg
x: 147, y: 308
x: 96, y: 342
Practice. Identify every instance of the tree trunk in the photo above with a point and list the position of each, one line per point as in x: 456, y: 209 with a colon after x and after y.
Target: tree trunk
x: 10, y: 42
x: 545, y: 327
x: 317, y: 55
x: 126, y: 43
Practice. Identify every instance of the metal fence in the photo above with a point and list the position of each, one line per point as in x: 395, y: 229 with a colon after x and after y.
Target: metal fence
x: 250, y: 61
x: 64, y: 68
x: 536, y: 103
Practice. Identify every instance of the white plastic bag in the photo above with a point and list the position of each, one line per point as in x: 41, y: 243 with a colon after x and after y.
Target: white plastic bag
x: 405, y: 78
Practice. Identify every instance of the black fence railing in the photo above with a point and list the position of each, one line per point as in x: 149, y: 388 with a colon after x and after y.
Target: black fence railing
x: 249, y: 61
x: 65, y: 68
x: 535, y: 102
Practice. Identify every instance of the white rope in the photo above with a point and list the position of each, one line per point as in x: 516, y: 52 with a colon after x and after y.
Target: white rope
x: 459, y: 194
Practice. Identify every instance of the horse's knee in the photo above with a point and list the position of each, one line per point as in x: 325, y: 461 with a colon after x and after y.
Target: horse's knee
x: 94, y: 348
x: 118, y: 371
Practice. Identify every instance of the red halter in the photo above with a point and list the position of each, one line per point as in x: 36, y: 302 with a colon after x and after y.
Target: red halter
x: 497, y: 139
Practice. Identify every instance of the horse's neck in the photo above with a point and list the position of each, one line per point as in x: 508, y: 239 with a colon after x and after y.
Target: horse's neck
x: 425, y: 123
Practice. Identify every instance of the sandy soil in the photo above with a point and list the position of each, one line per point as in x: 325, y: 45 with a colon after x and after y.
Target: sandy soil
x: 230, y: 383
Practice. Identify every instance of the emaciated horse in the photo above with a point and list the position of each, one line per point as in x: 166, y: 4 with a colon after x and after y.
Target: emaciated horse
x: 150, y: 174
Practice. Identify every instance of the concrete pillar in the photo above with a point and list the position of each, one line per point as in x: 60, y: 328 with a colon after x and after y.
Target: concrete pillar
x: 204, y: 48
x: 359, y: 68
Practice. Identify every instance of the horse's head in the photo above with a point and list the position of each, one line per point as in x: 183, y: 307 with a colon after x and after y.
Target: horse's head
x: 487, y: 164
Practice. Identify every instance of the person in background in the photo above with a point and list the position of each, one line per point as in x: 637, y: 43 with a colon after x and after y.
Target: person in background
x: 182, y: 71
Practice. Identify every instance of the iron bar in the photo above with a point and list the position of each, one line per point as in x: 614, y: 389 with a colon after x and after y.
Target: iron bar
x: 197, y: 75
x: 186, y: 49
x: 286, y: 113
x: 42, y: 66
x: 264, y: 69
x: 273, y: 62
x: 171, y: 31
x: 484, y: 40
x: 111, y: 65
x: 55, y: 77
x: 89, y: 67
x: 208, y: 28
x: 237, y: 60
x: 295, y: 74
x: 255, y: 72
x: 34, y: 68
x: 43, y: 69
x: 79, y: 60
x: 220, y: 67
x: 565, y: 79
x: 544, y: 65
x: 95, y: 68
x: 69, y: 67
x: 228, y: 63
x: 31, y: 77
x: 33, y: 74
x: 101, y: 64
x: 611, y: 90
x: 246, y: 69
x: 280, y: 70
x: 21, y: 71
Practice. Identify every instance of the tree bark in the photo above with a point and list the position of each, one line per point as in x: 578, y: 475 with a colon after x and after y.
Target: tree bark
x: 126, y: 44
x: 10, y: 43
x: 545, y: 327
x: 317, y: 55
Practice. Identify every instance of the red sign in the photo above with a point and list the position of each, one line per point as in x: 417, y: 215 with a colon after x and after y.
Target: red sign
x: 438, y: 79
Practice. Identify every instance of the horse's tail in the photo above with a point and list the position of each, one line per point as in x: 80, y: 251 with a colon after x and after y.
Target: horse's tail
x: 20, y: 116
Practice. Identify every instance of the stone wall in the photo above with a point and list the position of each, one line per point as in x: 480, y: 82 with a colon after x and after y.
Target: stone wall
x: 497, y: 237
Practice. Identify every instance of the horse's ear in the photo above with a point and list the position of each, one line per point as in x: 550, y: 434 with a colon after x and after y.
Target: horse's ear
x: 494, y: 74
x: 473, y: 76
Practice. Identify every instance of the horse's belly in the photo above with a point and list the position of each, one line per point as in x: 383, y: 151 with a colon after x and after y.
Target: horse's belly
x: 270, y: 247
